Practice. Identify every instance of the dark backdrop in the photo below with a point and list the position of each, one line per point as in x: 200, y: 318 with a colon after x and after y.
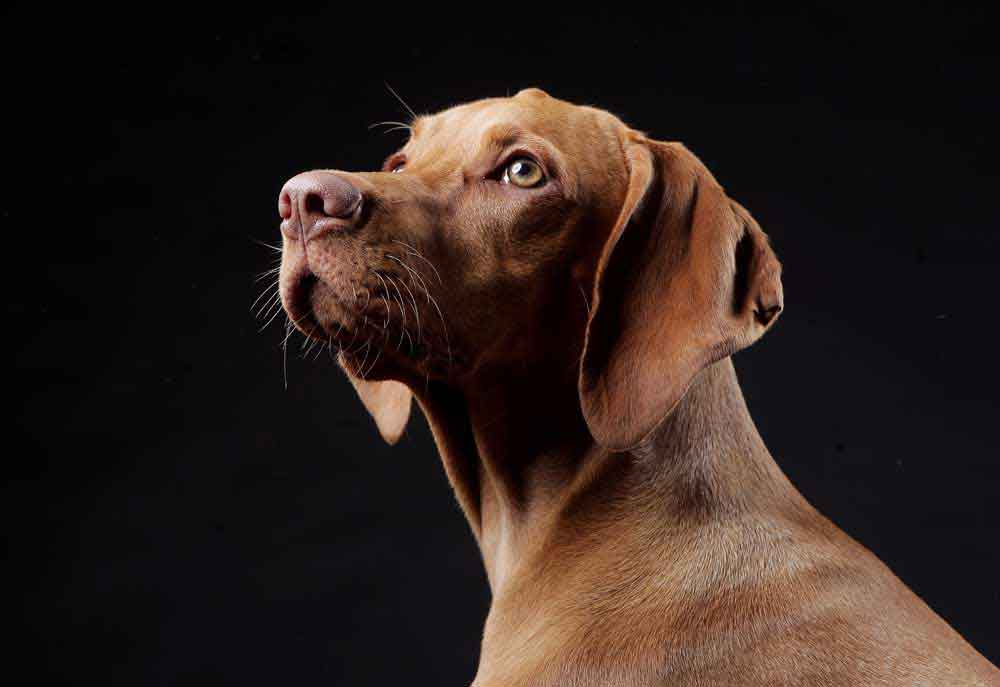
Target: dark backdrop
x: 175, y: 513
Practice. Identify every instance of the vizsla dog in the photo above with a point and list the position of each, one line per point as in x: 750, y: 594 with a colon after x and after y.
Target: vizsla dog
x: 562, y: 295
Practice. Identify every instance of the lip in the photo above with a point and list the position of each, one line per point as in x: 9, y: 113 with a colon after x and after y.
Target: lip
x: 317, y: 311
x: 292, y: 229
x: 296, y: 299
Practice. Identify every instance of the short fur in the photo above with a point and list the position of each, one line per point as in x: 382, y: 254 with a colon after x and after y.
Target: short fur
x: 569, y: 345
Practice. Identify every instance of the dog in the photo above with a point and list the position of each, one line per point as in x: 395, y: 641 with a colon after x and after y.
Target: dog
x: 561, y: 295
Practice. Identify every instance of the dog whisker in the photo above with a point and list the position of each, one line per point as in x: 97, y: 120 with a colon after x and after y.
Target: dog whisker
x: 276, y: 249
x: 399, y: 297
x: 265, y: 292
x: 368, y: 349
x: 284, y: 353
x: 413, y: 251
x: 395, y: 125
x: 267, y: 273
x: 354, y: 336
x: 417, y: 276
x: 402, y: 309
x: 384, y: 301
x: 319, y: 352
x: 268, y: 305
x: 378, y: 352
x: 416, y: 313
x: 277, y: 311
x: 586, y: 302
x: 401, y: 101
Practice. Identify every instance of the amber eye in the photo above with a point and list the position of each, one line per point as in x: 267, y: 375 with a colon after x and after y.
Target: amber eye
x: 523, y: 172
x: 394, y: 164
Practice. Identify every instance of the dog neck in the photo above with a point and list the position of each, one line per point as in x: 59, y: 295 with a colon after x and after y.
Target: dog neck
x: 530, y: 477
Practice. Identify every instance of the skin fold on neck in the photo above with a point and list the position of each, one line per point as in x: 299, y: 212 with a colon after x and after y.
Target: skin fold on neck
x: 532, y: 481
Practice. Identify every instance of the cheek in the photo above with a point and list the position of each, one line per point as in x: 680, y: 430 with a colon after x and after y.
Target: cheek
x: 532, y: 214
x: 502, y: 220
x: 511, y: 248
x: 495, y: 246
x: 537, y: 233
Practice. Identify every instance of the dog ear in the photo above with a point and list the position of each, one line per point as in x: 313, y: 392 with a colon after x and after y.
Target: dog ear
x: 685, y: 278
x: 388, y: 402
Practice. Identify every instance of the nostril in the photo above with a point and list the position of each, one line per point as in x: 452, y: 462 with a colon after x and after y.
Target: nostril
x: 313, y: 204
x: 354, y: 207
x: 316, y: 198
x: 284, y: 205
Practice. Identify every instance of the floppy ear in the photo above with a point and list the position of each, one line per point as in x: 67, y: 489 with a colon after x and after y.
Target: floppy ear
x: 388, y: 402
x: 686, y: 278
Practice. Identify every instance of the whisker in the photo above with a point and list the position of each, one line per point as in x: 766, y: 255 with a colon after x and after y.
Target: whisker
x: 267, y: 273
x: 402, y: 102
x: 419, y: 278
x: 395, y: 125
x: 263, y: 293
x: 320, y: 351
x: 402, y: 308
x: 368, y: 349
x: 416, y: 314
x: 289, y: 328
x: 386, y: 287
x: 417, y: 253
x: 413, y: 251
x: 347, y: 348
x: 366, y: 340
x: 447, y: 340
x: 371, y: 367
x: 583, y: 293
x: 268, y: 304
x: 277, y: 311
x: 399, y: 297
x: 276, y: 249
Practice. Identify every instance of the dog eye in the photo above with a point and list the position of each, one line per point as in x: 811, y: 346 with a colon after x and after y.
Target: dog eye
x: 394, y: 164
x: 523, y: 172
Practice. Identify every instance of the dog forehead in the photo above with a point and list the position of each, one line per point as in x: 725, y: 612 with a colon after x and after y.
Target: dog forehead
x: 572, y: 128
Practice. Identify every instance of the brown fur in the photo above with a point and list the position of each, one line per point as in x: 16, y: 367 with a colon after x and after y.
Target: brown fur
x: 572, y: 358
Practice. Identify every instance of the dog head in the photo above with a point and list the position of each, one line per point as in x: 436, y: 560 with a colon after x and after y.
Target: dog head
x: 517, y: 232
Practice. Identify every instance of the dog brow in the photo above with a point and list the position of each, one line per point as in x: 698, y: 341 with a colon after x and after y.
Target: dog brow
x: 418, y: 124
x: 502, y: 135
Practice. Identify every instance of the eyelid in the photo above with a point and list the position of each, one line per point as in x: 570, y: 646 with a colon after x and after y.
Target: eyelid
x: 392, y: 161
x: 517, y: 152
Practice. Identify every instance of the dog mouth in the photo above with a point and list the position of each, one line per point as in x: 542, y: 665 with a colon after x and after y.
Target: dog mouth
x: 366, y: 313
x: 346, y: 316
x: 316, y: 310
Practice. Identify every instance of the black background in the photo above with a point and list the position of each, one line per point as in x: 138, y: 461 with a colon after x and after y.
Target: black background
x: 177, y: 514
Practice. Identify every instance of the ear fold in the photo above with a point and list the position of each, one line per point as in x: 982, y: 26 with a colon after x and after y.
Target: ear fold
x: 685, y: 278
x: 388, y: 402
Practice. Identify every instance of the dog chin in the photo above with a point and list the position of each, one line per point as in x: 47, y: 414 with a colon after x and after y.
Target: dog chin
x: 314, y: 312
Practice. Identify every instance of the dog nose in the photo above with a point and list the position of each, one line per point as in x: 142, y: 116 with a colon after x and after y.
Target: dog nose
x: 314, y: 202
